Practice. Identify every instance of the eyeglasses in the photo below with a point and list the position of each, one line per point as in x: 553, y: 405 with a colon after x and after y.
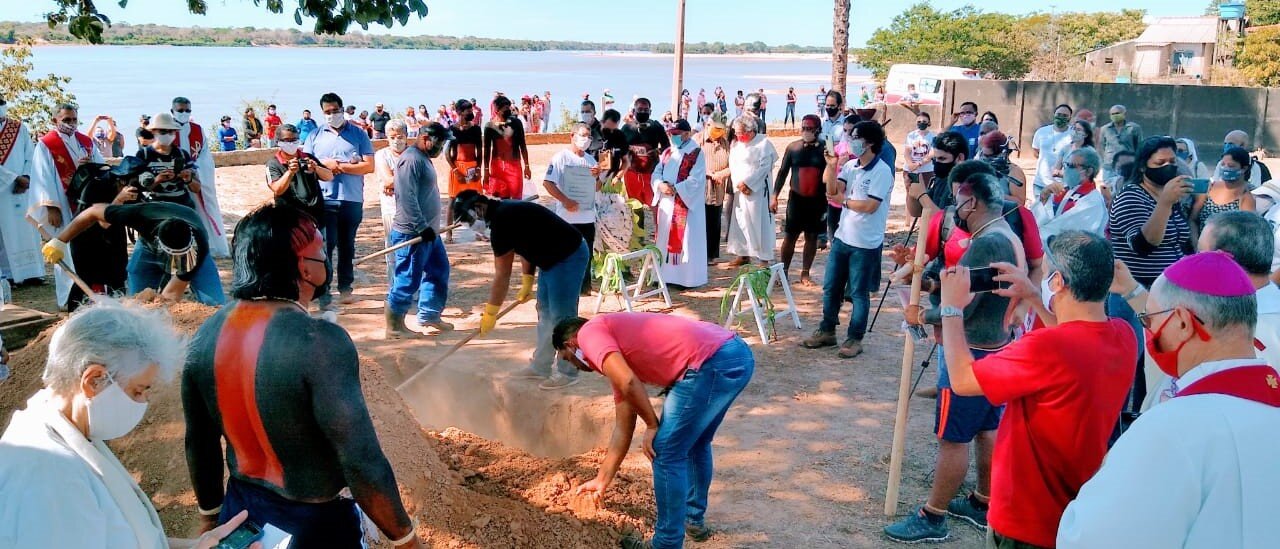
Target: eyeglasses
x: 182, y: 110
x: 1147, y: 318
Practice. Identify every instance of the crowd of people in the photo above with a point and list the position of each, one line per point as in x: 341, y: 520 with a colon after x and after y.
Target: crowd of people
x: 1117, y: 242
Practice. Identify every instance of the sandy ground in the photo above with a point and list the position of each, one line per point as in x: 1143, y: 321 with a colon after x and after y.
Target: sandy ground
x: 801, y: 459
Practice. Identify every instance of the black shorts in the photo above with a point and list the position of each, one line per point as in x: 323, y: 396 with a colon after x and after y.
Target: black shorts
x: 805, y: 215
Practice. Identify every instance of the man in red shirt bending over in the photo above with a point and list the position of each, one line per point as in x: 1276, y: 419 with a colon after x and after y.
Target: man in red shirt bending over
x: 1063, y: 386
x: 703, y: 368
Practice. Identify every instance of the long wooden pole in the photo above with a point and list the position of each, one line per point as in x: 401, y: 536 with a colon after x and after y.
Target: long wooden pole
x: 404, y: 244
x: 904, y: 383
x: 454, y: 348
x: 677, y: 78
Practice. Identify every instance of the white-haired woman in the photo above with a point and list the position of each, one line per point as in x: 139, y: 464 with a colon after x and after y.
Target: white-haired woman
x: 60, y: 485
x: 384, y: 166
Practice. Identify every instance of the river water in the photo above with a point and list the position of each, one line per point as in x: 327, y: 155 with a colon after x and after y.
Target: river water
x: 126, y: 81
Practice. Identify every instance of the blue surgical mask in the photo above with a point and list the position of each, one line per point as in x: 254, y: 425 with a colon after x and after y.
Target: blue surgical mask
x: 1071, y: 177
x: 1229, y: 174
x: 857, y: 147
x: 677, y: 140
x: 1185, y: 155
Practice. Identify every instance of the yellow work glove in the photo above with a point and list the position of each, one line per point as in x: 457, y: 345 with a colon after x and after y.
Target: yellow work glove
x: 54, y: 251
x: 489, y: 319
x: 526, y: 289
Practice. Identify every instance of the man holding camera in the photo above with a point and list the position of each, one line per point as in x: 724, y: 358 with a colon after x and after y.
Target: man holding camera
x: 171, y: 176
x: 422, y: 267
x: 295, y: 176
x: 1064, y: 385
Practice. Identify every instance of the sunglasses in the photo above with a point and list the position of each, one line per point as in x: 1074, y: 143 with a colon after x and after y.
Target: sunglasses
x: 182, y: 110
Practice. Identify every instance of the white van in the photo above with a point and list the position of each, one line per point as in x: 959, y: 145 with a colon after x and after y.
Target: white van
x: 927, y: 80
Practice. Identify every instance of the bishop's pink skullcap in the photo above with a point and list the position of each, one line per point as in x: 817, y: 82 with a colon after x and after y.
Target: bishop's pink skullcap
x: 1211, y: 273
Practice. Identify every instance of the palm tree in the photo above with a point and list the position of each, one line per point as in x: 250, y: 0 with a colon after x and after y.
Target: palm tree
x: 840, y: 47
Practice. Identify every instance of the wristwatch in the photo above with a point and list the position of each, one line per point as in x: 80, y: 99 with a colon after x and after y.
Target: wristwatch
x: 948, y: 310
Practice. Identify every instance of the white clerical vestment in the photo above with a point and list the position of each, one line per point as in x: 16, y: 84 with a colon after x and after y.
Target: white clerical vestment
x: 19, y: 242
x: 1196, y: 471
x: 49, y: 191
x: 1088, y: 212
x: 207, y: 200
x: 751, y: 227
x: 685, y: 264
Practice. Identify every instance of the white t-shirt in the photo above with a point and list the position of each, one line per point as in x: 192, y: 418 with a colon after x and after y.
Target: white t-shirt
x: 1047, y: 140
x: 865, y: 230
x: 919, y: 145
x: 555, y: 171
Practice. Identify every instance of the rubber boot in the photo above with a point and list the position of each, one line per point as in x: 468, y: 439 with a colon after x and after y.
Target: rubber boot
x: 396, y: 328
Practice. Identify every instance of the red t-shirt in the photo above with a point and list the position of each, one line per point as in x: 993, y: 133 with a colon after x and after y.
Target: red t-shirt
x: 1063, y: 388
x: 273, y: 122
x: 657, y: 347
x: 952, y: 249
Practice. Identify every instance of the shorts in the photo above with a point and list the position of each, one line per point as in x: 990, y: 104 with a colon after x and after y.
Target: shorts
x: 804, y: 215
x: 333, y: 524
x: 960, y: 418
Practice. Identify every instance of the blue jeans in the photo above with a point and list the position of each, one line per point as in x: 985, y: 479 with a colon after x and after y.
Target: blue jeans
x: 147, y: 270
x: 558, y: 291
x: 691, y: 414
x: 339, y: 225
x: 853, y: 272
x: 424, y: 268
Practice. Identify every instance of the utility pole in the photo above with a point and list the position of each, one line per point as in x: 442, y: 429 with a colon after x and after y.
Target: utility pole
x: 677, y: 79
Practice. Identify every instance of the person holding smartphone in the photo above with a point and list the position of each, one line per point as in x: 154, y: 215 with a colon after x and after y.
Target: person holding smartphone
x: 1228, y: 191
x: 1148, y: 228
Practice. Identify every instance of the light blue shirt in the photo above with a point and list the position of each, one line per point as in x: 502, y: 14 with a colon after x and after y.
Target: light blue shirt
x: 348, y: 144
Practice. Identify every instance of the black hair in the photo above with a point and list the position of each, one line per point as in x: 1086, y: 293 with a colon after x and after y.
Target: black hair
x: 611, y: 115
x: 971, y: 104
x: 871, y: 132
x: 1088, y: 132
x: 1241, y: 156
x: 925, y: 114
x: 589, y: 103
x: 330, y: 98
x: 1086, y: 261
x: 501, y: 101
x: 462, y: 104
x: 963, y: 170
x: 640, y: 100
x: 1247, y: 236
x: 835, y: 94
x: 465, y: 201
x: 952, y: 143
x: 991, y: 114
x: 271, y: 106
x: 306, y: 111
x: 1120, y: 153
x: 982, y: 184
x: 265, y: 252
x: 564, y: 330
x: 1148, y: 149
x: 1069, y: 109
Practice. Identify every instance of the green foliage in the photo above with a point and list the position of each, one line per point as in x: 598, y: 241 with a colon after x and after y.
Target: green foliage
x: 566, y: 122
x: 998, y: 44
x: 139, y: 35
x: 30, y: 99
x: 1263, y: 12
x: 332, y: 16
x: 757, y: 278
x: 1259, y: 59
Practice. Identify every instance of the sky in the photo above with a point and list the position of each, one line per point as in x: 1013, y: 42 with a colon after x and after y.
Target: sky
x: 802, y: 22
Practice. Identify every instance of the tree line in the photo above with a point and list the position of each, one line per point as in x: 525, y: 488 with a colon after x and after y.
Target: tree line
x: 137, y: 35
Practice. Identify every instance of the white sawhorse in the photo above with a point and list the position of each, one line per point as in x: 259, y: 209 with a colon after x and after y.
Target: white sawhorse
x: 629, y: 293
x: 743, y: 289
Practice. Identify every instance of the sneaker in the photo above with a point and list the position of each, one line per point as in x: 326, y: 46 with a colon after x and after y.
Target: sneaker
x: 558, y: 382
x: 529, y: 373
x: 635, y: 541
x: 346, y: 297
x: 963, y: 508
x: 819, y: 339
x: 917, y: 528
x: 850, y: 348
x: 697, y: 532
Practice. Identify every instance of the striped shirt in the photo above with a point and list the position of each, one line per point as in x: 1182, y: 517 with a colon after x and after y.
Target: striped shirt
x: 1133, y: 207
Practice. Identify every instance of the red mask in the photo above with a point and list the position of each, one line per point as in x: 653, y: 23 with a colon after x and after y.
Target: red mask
x: 1168, y: 360
x: 743, y: 138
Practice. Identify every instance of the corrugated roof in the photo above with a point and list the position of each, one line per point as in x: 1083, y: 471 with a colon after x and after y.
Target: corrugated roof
x: 1183, y: 30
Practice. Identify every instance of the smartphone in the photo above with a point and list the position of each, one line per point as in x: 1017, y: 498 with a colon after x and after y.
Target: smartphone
x: 831, y: 148
x: 242, y: 537
x: 1199, y: 185
x: 983, y: 279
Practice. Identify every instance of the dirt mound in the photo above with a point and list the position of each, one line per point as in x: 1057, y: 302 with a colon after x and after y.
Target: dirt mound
x: 491, y: 505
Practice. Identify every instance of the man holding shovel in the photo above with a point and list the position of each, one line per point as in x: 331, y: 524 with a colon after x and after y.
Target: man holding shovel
x: 423, y: 266
x: 703, y: 368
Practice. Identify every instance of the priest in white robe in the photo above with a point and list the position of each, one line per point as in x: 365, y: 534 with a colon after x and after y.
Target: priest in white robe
x: 1076, y: 203
x: 57, y: 155
x: 19, y: 242
x: 1200, y: 469
x: 751, y: 225
x: 679, y: 196
x: 192, y: 140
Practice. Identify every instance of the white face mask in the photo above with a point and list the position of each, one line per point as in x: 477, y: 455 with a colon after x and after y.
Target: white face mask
x: 182, y: 117
x: 479, y: 226
x: 1046, y: 294
x: 336, y: 120
x: 112, y: 414
x: 398, y: 144
x: 586, y: 117
x: 289, y: 147
x: 165, y: 139
x: 66, y: 129
x: 581, y: 142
